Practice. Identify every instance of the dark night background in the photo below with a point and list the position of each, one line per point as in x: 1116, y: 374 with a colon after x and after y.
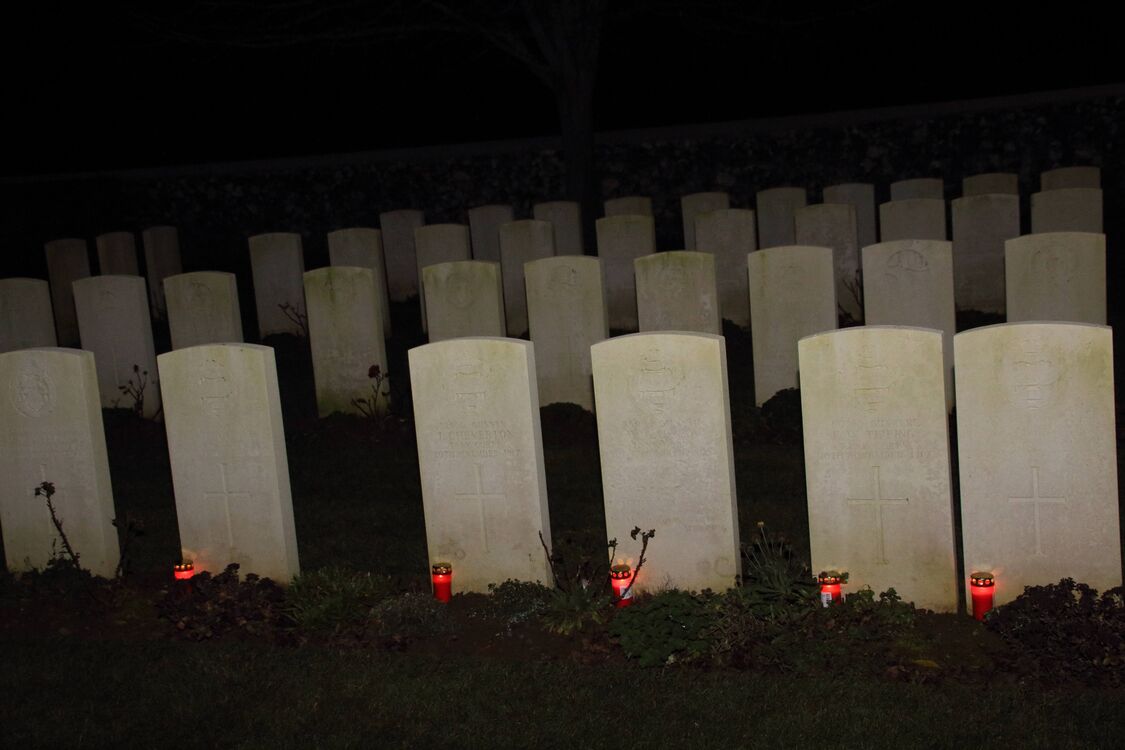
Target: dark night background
x: 88, y: 88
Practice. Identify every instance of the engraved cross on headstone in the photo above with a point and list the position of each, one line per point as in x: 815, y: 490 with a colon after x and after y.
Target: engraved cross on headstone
x: 225, y: 496
x: 480, y: 496
x: 1036, y: 501
x: 879, y: 502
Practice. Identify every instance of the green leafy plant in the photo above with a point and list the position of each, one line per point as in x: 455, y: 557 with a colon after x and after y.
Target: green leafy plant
x: 513, y: 603
x: 1065, y: 631
x: 335, y: 599
x: 668, y: 627
x: 775, y: 576
x: 210, y: 606
x: 408, y: 616
x: 136, y: 390
x: 369, y: 405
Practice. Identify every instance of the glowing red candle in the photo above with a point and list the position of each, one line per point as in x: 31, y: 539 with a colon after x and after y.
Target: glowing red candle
x: 981, y: 585
x: 621, y: 576
x: 831, y: 584
x: 443, y: 581
x: 184, y: 571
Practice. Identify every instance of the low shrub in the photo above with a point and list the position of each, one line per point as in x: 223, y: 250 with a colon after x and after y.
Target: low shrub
x: 335, y: 599
x: 1065, y: 631
x: 210, y: 606
x: 663, y: 629
x: 513, y: 603
x: 408, y: 616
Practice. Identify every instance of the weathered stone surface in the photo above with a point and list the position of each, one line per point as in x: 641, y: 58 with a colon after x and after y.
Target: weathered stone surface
x: 51, y: 431
x: 729, y: 235
x: 67, y: 261
x: 566, y: 314
x: 694, y: 205
x: 981, y: 225
x: 480, y: 456
x: 776, y: 207
x: 398, y: 248
x: 621, y: 240
x: 630, y: 205
x: 910, y: 283
x: 361, y: 247
x: 117, y: 254
x: 440, y: 243
x: 230, y: 471
x: 521, y: 242
x: 162, y: 259
x: 484, y: 226
x: 1006, y: 183
x: 919, y: 187
x: 464, y: 298
x: 114, y: 324
x: 203, y: 309
x: 345, y: 336
x: 1070, y: 177
x: 877, y: 461
x: 833, y: 225
x: 26, y: 321
x: 1056, y: 276
x: 676, y: 291
x: 1067, y: 210
x: 915, y: 219
x: 277, y: 264
x: 666, y: 456
x: 566, y: 219
x: 1038, y: 459
x: 792, y: 295
x: 861, y: 197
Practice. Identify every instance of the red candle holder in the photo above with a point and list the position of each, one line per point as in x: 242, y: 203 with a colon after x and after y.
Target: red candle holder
x: 442, y: 574
x: 184, y: 571
x: 831, y: 587
x: 981, y: 586
x: 621, y: 576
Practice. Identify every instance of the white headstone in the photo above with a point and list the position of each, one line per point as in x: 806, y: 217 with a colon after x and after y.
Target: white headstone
x: 277, y: 263
x: 1038, y: 458
x: 1067, y: 210
x: 630, y: 205
x: 51, y: 431
x: 915, y: 219
x: 833, y: 225
x: 910, y: 283
x: 117, y: 254
x: 792, y: 295
x: 203, y: 309
x: 114, y: 324
x: 480, y: 456
x: 1070, y: 177
x: 566, y: 218
x: 729, y: 235
x: 67, y: 261
x: 484, y: 225
x: 521, y: 242
x: 981, y: 225
x: 621, y: 240
x: 1056, y: 276
x: 345, y: 337
x: 696, y: 204
x: 230, y: 471
x: 566, y: 316
x: 26, y: 321
x: 667, y: 461
x: 464, y: 298
x: 919, y: 187
x: 361, y: 247
x: 776, y: 207
x: 1007, y: 183
x: 676, y: 291
x: 877, y: 461
x: 861, y: 197
x: 162, y: 259
x: 398, y: 248
x: 440, y: 243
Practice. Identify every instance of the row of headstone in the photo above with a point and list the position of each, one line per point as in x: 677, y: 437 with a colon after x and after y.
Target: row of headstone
x: 1037, y: 402
x: 225, y: 442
